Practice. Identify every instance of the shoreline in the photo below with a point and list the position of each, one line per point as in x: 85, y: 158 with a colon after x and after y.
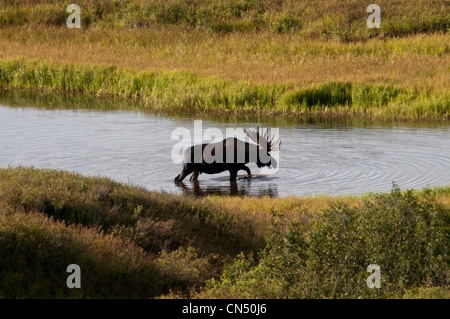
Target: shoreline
x: 188, y: 92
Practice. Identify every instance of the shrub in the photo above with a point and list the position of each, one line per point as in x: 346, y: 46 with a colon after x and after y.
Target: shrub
x: 327, y: 257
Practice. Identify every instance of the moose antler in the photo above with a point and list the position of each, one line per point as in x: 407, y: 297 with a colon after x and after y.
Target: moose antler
x: 265, y: 139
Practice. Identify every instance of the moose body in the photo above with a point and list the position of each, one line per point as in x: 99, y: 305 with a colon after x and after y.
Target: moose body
x: 231, y: 155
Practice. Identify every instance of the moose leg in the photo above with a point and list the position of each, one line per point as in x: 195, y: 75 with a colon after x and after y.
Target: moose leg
x: 233, y: 175
x: 249, y: 173
x: 182, y: 175
x: 194, y: 176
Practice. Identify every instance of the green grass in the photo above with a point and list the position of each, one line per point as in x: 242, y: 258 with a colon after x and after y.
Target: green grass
x: 183, y: 91
x: 132, y: 243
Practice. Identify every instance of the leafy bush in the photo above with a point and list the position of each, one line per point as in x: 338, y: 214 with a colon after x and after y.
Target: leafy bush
x: 327, y: 256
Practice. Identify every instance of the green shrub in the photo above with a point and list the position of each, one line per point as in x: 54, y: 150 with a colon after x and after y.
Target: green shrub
x: 327, y: 256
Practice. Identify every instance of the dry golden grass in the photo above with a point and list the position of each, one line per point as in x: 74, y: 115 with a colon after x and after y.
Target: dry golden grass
x: 259, y: 210
x: 420, y: 61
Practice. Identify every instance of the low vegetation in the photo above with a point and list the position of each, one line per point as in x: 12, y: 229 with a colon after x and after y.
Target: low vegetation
x: 239, y: 56
x: 327, y: 256
x: 169, y: 91
x: 330, y: 19
x: 130, y: 242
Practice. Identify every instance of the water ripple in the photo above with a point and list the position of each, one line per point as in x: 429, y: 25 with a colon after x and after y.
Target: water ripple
x: 136, y: 148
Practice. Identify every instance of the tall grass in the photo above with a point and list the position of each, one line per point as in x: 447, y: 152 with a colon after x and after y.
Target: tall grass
x: 329, y: 19
x: 418, y: 61
x: 192, y: 92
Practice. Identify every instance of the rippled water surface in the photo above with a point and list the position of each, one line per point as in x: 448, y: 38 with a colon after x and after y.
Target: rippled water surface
x: 136, y: 148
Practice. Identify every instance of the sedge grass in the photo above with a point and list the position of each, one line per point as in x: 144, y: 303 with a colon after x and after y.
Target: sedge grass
x: 238, y: 56
x: 191, y: 92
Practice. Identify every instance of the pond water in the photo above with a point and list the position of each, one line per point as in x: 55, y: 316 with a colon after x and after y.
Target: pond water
x: 315, y: 157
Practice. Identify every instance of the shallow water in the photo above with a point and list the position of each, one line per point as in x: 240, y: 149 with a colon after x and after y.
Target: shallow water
x: 315, y: 158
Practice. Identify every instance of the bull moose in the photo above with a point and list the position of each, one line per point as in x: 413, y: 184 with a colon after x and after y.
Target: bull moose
x: 231, y: 155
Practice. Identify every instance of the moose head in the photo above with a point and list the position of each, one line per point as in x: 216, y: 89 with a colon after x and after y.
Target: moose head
x: 266, y: 144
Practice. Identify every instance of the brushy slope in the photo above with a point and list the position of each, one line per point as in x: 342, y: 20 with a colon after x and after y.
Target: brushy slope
x: 327, y: 256
x: 35, y: 252
x: 120, y: 234
x: 133, y: 243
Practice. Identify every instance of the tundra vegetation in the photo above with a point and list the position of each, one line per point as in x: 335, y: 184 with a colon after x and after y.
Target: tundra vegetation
x: 132, y: 243
x: 226, y: 57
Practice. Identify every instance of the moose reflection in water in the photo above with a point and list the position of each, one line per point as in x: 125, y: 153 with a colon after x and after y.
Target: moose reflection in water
x: 231, y: 155
x: 244, y: 188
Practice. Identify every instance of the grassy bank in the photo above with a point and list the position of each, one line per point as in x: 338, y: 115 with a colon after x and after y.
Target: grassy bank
x: 237, y: 56
x: 191, y: 92
x: 133, y: 243
x: 419, y: 61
